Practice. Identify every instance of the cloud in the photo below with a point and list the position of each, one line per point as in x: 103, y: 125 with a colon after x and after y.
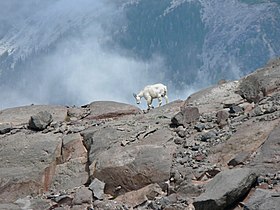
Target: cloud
x: 83, y: 64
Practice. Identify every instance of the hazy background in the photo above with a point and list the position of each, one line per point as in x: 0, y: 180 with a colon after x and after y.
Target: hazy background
x: 74, y: 52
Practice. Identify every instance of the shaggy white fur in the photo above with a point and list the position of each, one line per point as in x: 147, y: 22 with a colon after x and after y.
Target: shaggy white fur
x: 151, y: 92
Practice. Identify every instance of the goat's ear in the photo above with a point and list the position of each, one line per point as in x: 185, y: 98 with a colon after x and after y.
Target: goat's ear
x: 134, y: 94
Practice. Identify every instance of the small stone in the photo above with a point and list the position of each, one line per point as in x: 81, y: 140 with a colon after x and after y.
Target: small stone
x: 207, y: 136
x: 263, y: 186
x: 181, y: 133
x: 195, y: 148
x: 240, y: 158
x: 125, y: 142
x: 97, y: 187
x: 199, y: 157
x: 178, y: 141
x: 234, y: 109
x: 199, y: 127
x: 5, y: 128
x: 82, y: 195
x: 194, y: 166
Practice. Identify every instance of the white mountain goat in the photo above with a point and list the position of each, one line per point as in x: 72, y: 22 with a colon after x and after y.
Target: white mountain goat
x: 151, y: 92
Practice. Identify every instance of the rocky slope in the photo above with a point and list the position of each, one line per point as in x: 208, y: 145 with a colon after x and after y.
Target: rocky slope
x: 219, y: 149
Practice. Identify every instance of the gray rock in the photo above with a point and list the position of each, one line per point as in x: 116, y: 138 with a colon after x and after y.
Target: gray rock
x: 257, y: 111
x: 267, y: 157
x: 27, y: 164
x: 32, y: 203
x: 97, y: 187
x: 137, y: 197
x: 146, y: 161
x: 263, y: 200
x: 213, y: 98
x: 225, y: 189
x: 208, y: 135
x: 70, y: 174
x: 222, y: 117
x: 71, y: 171
x: 9, y: 206
x: 40, y: 121
x: 249, y: 136
x: 179, y: 141
x: 186, y: 116
x: 82, y: 195
x: 133, y: 167
x: 110, y: 109
x: 199, y: 127
x: 250, y: 89
x: 240, y: 158
x: 5, y: 128
x: 235, y: 109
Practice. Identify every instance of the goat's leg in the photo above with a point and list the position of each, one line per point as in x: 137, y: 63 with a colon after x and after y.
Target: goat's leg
x: 159, y: 101
x: 166, y: 99
x: 149, y: 103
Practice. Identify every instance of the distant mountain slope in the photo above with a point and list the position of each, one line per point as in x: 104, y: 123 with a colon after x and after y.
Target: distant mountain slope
x: 220, y: 39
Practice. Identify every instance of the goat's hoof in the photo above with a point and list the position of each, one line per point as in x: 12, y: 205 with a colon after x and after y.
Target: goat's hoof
x: 146, y: 111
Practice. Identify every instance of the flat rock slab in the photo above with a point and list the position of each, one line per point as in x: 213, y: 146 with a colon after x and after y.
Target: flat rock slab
x: 267, y: 159
x: 110, y: 109
x: 137, y: 197
x: 27, y: 163
x: 168, y: 110
x: 225, y: 189
x: 264, y: 200
x: 21, y: 115
x: 214, y: 98
x: 248, y: 138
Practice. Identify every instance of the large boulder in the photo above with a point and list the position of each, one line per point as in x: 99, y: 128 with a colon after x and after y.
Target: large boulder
x: 225, y: 189
x: 40, y: 121
x: 130, y: 153
x: 261, y: 83
x: 250, y: 89
x: 27, y: 164
x: 186, y: 116
x: 133, y: 167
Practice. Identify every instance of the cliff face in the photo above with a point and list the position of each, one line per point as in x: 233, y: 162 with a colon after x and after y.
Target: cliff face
x: 207, y: 152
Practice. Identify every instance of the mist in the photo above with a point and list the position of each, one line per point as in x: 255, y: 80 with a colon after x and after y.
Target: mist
x: 82, y: 63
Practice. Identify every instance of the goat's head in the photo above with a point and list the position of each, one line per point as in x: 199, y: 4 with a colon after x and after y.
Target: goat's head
x: 138, y: 98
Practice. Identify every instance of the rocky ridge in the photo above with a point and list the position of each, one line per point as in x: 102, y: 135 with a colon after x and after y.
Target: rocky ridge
x: 218, y: 149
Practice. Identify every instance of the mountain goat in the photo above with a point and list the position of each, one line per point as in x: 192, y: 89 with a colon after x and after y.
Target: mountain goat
x: 151, y: 92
